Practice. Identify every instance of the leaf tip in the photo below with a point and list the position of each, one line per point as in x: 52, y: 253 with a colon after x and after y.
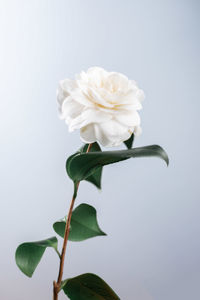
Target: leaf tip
x: 166, y: 158
x: 163, y: 154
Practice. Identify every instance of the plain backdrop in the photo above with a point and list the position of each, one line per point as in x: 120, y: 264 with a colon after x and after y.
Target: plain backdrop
x: 150, y: 213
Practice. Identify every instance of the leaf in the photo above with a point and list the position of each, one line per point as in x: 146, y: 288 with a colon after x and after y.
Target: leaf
x: 129, y: 142
x: 83, y: 224
x: 28, y: 255
x: 94, y: 178
x: 84, y: 164
x: 88, y: 286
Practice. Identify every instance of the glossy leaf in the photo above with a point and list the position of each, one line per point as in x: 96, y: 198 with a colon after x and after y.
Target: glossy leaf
x: 28, y: 255
x: 88, y: 286
x: 84, y: 164
x: 94, y: 178
x: 83, y: 224
x: 129, y: 142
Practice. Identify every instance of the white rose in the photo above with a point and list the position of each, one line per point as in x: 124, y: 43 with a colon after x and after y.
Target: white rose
x: 103, y: 105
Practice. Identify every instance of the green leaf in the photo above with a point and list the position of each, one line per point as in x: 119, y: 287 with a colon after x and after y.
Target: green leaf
x: 83, y: 224
x: 94, y: 178
x: 84, y: 164
x: 88, y: 286
x: 28, y: 255
x: 129, y: 142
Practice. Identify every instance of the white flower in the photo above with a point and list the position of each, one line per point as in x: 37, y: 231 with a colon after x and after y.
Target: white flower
x: 103, y: 105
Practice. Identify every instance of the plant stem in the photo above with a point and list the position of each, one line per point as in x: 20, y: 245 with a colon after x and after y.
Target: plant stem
x: 57, y: 284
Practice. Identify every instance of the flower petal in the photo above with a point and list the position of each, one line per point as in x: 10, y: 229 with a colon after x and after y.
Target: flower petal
x: 137, y: 130
x: 89, y: 116
x: 112, y: 133
x: 130, y: 119
x: 95, y: 97
x: 107, y: 135
x: 88, y: 134
x: 116, y: 81
x: 68, y: 85
x: 71, y: 109
x: 80, y: 97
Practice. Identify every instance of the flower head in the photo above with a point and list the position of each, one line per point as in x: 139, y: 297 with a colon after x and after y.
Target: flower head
x: 103, y: 105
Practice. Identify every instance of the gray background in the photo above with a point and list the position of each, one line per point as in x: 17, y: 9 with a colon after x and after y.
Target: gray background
x: 150, y: 212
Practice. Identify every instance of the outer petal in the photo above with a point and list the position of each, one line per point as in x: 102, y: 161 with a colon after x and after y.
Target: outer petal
x: 137, y: 130
x: 102, y: 138
x: 129, y: 119
x: 61, y: 96
x: 68, y: 85
x: 133, y: 96
x: 112, y: 133
x: 140, y: 95
x: 65, y: 87
x: 97, y: 132
x: 88, y: 134
x: 89, y: 116
x: 70, y: 109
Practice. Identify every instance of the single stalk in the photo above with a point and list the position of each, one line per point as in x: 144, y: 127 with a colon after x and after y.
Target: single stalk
x: 57, y: 284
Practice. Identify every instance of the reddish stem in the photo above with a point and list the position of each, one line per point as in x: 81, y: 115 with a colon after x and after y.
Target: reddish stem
x: 57, y: 284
